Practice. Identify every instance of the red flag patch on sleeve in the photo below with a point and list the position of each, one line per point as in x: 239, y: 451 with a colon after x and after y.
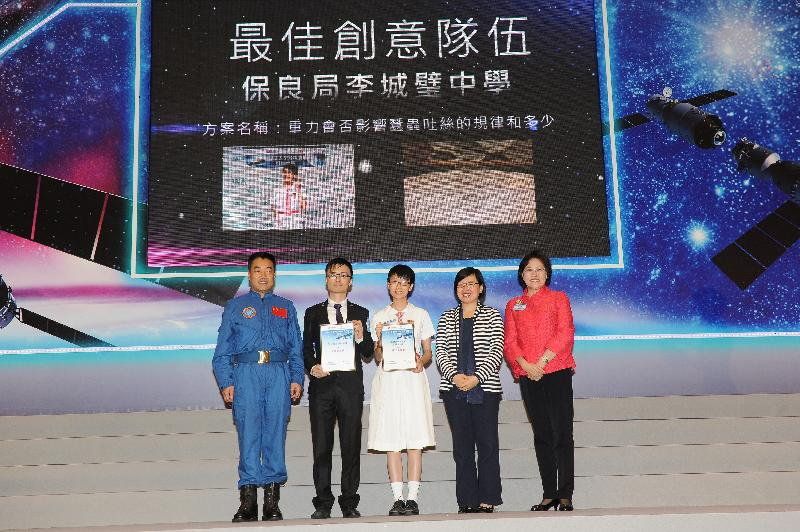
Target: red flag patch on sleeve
x: 280, y: 312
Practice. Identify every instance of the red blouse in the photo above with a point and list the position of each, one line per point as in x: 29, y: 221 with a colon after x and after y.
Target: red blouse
x: 545, y: 322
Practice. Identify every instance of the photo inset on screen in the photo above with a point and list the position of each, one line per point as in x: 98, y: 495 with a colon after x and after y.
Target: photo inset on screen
x: 267, y: 188
x: 469, y: 183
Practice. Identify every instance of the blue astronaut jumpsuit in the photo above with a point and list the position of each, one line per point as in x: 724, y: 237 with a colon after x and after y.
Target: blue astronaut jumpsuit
x: 261, y: 402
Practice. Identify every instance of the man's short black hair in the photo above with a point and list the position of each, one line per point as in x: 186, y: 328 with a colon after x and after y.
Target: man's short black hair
x: 261, y: 255
x: 339, y: 261
x: 291, y: 167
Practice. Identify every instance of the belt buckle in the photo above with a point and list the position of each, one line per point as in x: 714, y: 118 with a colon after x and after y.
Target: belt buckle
x: 263, y: 357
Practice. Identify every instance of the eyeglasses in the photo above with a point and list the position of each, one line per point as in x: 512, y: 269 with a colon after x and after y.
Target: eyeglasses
x: 462, y: 286
x: 534, y: 270
x: 338, y: 276
x: 404, y: 284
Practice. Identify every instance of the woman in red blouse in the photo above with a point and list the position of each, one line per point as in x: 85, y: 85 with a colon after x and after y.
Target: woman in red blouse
x: 539, y: 335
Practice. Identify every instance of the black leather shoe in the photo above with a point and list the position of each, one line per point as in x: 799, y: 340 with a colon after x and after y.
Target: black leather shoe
x: 484, y: 509
x: 272, y: 495
x: 398, y: 508
x: 466, y: 510
x: 565, y: 505
x: 248, y: 509
x: 321, y: 513
x: 412, y: 508
x: 544, y: 506
x: 350, y: 513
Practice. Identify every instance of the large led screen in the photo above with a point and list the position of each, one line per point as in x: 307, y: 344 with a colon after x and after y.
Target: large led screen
x: 380, y: 131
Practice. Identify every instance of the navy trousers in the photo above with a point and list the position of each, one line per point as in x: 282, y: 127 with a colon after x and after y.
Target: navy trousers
x: 475, y: 427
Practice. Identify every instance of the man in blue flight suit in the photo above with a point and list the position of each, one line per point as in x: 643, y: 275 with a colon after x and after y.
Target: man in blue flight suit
x: 258, y: 365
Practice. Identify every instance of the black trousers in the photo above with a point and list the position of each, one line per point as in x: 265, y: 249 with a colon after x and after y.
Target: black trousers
x: 475, y: 426
x: 336, y: 402
x: 548, y: 403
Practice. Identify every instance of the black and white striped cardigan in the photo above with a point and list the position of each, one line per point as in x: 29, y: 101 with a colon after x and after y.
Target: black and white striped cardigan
x: 488, y: 342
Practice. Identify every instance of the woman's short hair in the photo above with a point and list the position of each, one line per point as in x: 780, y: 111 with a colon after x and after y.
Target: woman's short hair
x: 535, y: 254
x: 462, y: 274
x: 404, y: 272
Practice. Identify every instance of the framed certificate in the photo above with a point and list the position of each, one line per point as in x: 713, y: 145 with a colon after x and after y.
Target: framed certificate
x: 398, y: 347
x: 337, y: 343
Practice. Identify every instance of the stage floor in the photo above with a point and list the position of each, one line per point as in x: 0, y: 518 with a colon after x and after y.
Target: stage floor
x: 644, y: 461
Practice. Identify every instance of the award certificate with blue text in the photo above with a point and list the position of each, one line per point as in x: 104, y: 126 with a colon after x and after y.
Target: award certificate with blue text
x: 398, y: 347
x: 337, y: 343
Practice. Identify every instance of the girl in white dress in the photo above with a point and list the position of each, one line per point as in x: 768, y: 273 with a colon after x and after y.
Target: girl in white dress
x: 400, y: 416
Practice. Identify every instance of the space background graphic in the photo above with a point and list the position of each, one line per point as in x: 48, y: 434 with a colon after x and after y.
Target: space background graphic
x: 656, y: 317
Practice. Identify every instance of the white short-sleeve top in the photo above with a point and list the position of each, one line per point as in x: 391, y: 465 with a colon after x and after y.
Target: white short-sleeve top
x: 423, y: 326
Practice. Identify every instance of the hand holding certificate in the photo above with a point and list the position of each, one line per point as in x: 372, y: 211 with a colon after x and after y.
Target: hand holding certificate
x: 398, y: 347
x: 337, y: 343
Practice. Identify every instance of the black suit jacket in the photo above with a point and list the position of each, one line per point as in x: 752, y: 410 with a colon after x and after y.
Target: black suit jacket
x: 318, y: 315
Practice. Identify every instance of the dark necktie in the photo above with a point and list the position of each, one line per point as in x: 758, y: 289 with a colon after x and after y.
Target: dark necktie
x: 339, y: 317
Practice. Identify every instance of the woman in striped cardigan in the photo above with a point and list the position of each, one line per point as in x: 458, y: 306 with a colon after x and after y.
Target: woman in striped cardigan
x: 469, y: 351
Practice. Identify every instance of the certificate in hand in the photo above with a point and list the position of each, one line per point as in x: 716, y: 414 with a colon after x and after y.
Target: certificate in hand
x: 337, y: 343
x: 398, y: 347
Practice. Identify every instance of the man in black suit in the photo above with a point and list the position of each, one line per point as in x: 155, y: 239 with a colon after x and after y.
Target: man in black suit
x: 337, y: 396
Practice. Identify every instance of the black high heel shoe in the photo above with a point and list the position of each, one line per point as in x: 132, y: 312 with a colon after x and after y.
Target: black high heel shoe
x: 565, y: 505
x: 543, y: 506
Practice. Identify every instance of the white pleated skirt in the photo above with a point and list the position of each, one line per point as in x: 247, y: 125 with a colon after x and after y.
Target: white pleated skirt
x: 400, y: 414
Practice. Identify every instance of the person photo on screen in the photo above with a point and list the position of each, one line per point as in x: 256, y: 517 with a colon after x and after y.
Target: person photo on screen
x: 258, y: 365
x: 336, y: 396
x: 289, y: 203
x: 538, y: 347
x: 469, y: 352
x: 400, y: 416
